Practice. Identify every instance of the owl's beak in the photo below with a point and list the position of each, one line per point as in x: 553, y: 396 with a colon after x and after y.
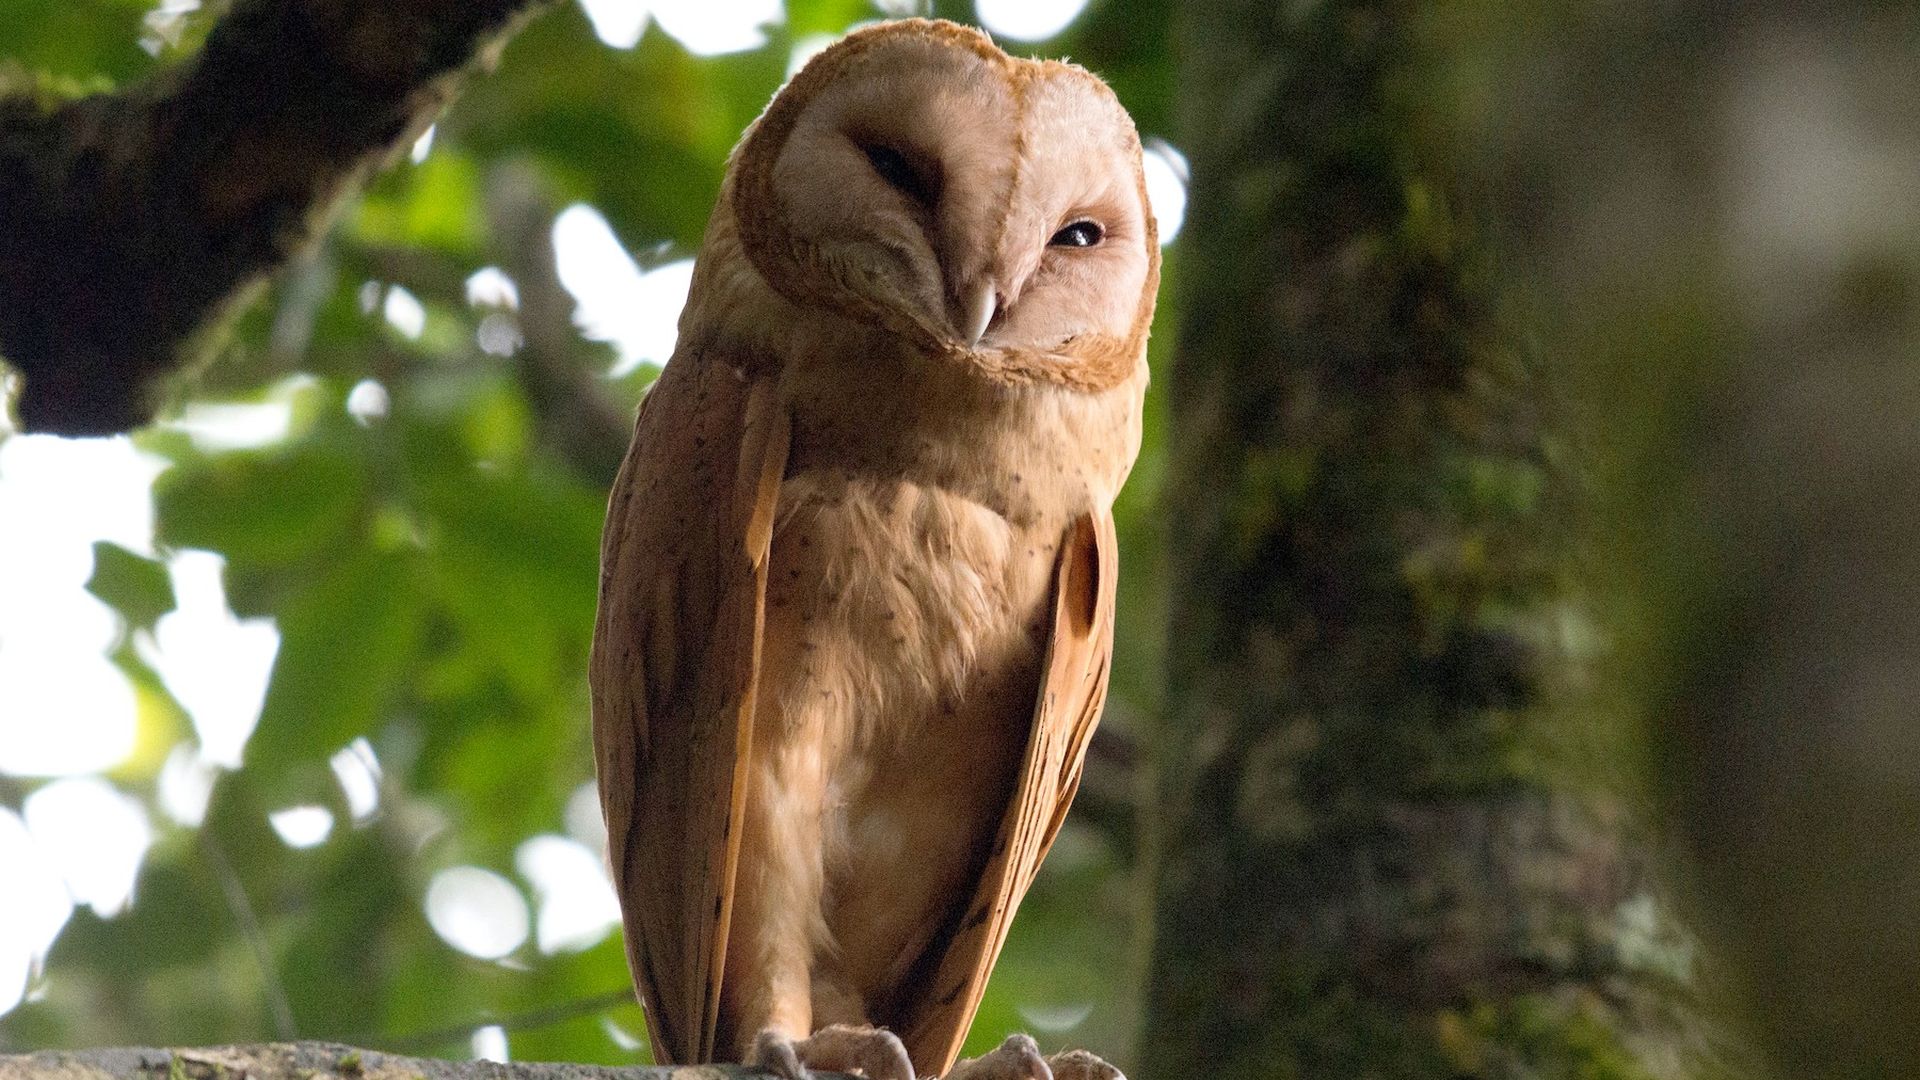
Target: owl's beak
x: 981, y: 301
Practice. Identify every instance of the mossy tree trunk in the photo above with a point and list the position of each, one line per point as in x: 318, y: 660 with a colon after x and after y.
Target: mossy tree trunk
x: 1398, y: 844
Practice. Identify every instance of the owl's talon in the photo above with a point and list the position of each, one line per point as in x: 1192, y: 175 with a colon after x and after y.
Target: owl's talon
x: 778, y: 1055
x: 872, y: 1052
x: 1018, y: 1058
x: 1082, y: 1065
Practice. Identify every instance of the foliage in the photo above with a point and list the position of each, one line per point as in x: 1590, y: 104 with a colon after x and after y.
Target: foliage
x: 430, y: 566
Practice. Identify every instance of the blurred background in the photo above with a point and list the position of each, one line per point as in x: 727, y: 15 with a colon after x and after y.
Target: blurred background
x: 1520, y: 625
x: 293, y: 701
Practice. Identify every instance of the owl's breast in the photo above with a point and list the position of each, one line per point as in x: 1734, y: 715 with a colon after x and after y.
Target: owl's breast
x: 904, y: 600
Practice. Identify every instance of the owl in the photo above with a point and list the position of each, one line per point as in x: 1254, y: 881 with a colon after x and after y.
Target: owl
x: 857, y: 585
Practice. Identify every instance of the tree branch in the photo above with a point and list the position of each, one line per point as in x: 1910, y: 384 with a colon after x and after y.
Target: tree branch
x: 578, y: 418
x: 133, y: 220
x: 324, y: 1061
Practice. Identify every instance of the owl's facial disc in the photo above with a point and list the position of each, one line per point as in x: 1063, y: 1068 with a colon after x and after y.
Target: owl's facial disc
x: 969, y: 201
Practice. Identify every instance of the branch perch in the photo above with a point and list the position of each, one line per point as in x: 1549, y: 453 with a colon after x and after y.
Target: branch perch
x: 326, y: 1061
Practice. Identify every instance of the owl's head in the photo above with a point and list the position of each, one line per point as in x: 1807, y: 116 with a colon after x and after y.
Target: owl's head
x: 917, y: 178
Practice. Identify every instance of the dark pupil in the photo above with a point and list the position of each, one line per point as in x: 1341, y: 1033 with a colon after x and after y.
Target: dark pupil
x: 892, y: 166
x: 1078, y: 234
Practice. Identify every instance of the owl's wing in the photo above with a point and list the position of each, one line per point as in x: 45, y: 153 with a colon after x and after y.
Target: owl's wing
x: 1073, y: 688
x: 676, y: 648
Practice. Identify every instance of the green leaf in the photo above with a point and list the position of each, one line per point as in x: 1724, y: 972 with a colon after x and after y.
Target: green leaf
x: 435, y: 204
x: 259, y: 506
x: 327, y: 965
x: 825, y: 16
x: 516, y: 568
x: 69, y: 40
x: 134, y: 585
x: 346, y: 642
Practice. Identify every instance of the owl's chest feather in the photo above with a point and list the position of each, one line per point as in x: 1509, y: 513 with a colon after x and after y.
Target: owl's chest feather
x: 918, y: 526
x: 908, y: 600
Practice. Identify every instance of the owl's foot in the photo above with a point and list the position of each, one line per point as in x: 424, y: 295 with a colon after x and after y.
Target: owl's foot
x: 1082, y: 1065
x: 872, y: 1052
x: 1016, y: 1059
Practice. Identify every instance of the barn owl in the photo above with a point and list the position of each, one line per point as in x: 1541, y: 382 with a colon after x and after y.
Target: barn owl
x: 857, y: 586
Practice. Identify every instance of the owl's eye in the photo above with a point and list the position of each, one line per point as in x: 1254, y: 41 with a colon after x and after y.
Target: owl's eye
x: 895, y: 169
x: 1078, y: 234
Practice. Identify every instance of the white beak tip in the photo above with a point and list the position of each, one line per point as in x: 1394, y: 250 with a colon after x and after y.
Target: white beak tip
x: 982, y: 303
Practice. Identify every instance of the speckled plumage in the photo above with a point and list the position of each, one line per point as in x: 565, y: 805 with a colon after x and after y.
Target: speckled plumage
x: 857, y: 584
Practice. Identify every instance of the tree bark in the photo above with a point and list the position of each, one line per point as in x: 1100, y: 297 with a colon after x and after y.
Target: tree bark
x: 133, y: 220
x: 1398, y: 843
x: 325, y: 1061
